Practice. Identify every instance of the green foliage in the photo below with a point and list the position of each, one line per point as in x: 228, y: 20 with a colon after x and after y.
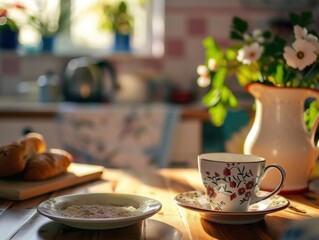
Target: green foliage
x: 311, y: 114
x: 270, y: 68
x: 212, y: 49
x: 303, y: 19
x: 9, y: 24
x: 218, y: 102
x: 115, y: 17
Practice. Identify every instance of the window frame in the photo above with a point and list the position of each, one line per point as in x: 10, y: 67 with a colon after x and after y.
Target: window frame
x: 154, y: 46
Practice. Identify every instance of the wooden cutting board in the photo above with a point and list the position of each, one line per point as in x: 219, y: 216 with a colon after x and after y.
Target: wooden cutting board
x: 77, y: 173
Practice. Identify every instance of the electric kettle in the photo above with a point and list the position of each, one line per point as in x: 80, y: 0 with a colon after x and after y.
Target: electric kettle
x: 89, y: 80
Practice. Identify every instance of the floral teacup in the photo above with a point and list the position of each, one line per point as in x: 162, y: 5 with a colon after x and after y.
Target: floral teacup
x: 232, y: 181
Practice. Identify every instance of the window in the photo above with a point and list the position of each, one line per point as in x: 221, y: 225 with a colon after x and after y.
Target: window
x: 83, y: 34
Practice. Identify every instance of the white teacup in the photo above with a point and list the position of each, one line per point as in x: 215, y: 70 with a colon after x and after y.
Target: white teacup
x: 232, y: 181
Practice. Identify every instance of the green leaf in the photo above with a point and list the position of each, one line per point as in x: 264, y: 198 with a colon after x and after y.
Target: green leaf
x: 246, y: 74
x: 239, y: 25
x: 211, y: 98
x: 275, y: 47
x: 311, y: 114
x: 303, y: 20
x: 209, y: 42
x: 267, y: 35
x: 212, y: 49
x: 232, y: 101
x: 279, y: 76
x: 219, y: 77
x: 225, y: 94
x: 218, y: 114
x: 235, y: 35
x: 294, y: 18
x: 306, y: 18
x: 231, y: 53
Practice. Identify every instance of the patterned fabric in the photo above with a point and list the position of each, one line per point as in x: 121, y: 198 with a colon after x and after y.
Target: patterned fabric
x: 126, y: 136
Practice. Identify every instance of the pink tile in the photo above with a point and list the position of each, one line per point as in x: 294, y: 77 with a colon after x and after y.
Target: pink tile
x: 10, y: 66
x: 196, y: 27
x: 174, y: 47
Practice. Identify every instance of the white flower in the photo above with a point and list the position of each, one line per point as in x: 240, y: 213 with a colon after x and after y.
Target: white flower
x: 202, y: 70
x: 258, y: 36
x: 203, y: 81
x: 247, y: 37
x: 302, y: 33
x: 300, y: 55
x: 250, y: 53
x: 204, y: 77
x: 212, y: 64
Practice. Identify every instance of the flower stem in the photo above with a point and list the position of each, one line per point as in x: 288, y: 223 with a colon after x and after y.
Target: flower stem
x: 285, y: 80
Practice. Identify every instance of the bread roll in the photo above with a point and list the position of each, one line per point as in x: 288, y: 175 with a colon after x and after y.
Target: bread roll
x: 47, y: 165
x: 34, y: 143
x: 13, y: 159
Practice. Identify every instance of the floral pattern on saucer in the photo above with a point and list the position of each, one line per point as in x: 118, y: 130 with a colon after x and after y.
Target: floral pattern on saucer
x: 197, y: 201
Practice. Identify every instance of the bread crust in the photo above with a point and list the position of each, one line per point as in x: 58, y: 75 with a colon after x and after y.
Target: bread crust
x: 13, y: 159
x: 34, y: 142
x: 47, y: 165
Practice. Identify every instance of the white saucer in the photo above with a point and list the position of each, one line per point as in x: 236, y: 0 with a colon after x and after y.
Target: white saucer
x: 140, y: 208
x: 197, y: 201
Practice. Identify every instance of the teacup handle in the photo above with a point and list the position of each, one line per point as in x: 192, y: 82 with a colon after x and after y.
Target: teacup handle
x: 278, y: 188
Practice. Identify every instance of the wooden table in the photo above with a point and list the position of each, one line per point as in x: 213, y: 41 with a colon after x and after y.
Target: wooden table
x: 20, y: 220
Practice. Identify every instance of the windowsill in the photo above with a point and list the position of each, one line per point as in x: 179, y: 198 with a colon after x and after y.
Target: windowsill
x: 21, y: 108
x: 95, y: 54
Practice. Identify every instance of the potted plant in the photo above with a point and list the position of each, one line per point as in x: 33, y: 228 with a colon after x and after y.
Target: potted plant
x: 281, y: 74
x: 48, y: 22
x: 116, y: 18
x: 9, y: 28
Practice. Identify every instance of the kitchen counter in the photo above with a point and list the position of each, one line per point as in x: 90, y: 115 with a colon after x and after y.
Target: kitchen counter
x: 19, y: 109
x: 17, y: 117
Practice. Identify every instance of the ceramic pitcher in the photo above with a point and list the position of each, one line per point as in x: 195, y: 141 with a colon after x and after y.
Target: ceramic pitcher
x: 279, y: 134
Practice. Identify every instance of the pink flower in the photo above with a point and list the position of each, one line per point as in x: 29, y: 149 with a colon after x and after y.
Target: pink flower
x: 247, y: 194
x: 227, y: 172
x: 232, y: 184
x: 241, y: 191
x: 211, y: 192
x: 249, y: 185
x: 233, y: 196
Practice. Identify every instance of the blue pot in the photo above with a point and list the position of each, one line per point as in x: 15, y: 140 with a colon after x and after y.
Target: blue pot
x: 122, y: 43
x: 9, y: 39
x: 48, y: 43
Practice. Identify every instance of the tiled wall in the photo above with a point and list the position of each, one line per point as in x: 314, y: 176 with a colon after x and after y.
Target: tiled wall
x: 187, y: 23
